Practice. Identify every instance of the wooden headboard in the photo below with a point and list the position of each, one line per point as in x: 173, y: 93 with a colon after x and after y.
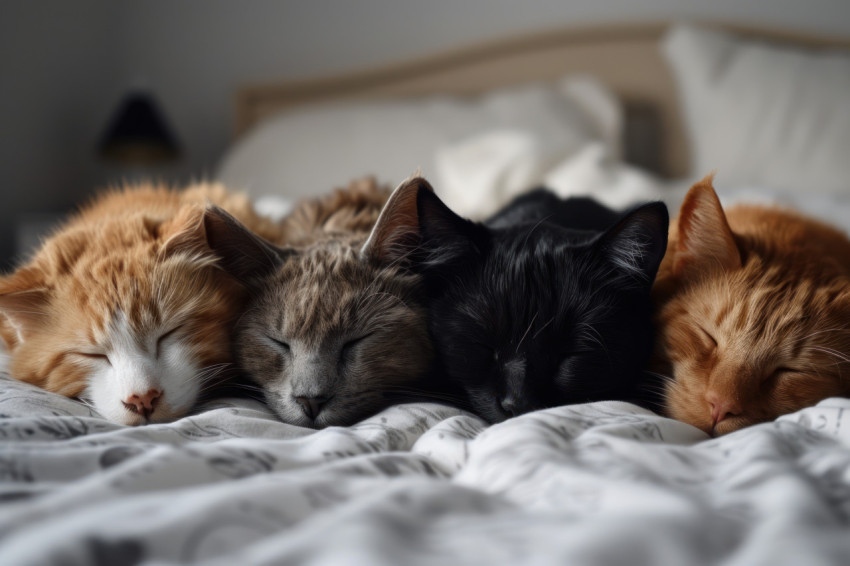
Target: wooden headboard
x: 624, y: 57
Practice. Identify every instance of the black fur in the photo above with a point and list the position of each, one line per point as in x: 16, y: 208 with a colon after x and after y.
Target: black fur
x: 545, y: 304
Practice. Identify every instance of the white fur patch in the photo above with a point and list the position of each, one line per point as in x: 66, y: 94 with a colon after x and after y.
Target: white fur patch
x: 134, y: 368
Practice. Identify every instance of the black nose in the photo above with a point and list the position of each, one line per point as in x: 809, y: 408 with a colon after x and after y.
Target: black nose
x: 312, y: 406
x: 510, y: 405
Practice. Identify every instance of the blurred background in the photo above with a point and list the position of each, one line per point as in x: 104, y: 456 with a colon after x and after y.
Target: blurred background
x: 67, y: 66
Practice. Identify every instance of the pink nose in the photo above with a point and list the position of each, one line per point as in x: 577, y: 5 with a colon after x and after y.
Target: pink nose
x: 143, y: 404
x: 721, y: 408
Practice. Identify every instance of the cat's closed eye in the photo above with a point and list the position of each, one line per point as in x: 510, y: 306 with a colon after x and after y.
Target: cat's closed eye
x: 279, y: 344
x: 708, y: 336
x: 349, y: 346
x: 781, y: 373
x: 162, y: 339
x: 94, y: 356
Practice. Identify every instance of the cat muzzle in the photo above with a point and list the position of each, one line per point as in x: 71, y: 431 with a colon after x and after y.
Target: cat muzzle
x: 144, y: 404
x: 312, y: 406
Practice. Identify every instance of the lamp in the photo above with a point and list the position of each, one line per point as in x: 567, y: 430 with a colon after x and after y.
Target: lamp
x: 138, y: 133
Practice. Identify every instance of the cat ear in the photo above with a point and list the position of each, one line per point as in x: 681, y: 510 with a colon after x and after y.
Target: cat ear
x: 636, y: 244
x: 185, y: 234
x: 705, y: 240
x: 446, y: 237
x: 396, y: 233
x: 241, y: 253
x: 23, y: 305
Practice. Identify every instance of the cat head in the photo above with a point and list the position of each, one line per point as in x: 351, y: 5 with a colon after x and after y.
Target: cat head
x: 335, y: 326
x: 748, y: 333
x: 535, y: 315
x: 130, y: 314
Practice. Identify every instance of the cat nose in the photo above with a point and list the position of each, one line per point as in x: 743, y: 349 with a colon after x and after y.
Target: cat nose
x: 143, y: 404
x: 721, y: 409
x: 312, y: 406
x: 510, y: 405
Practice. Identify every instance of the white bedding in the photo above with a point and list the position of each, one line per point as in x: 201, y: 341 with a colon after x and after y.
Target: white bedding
x: 604, y: 483
x: 592, y: 171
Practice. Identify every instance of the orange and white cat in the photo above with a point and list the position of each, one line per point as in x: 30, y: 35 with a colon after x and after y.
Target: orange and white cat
x: 753, y: 313
x: 125, y: 305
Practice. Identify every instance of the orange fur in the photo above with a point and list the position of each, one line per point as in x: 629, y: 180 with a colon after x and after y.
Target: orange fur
x: 138, y: 252
x: 351, y: 209
x: 751, y: 312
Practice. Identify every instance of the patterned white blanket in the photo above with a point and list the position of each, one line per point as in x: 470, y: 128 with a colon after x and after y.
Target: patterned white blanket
x: 604, y: 483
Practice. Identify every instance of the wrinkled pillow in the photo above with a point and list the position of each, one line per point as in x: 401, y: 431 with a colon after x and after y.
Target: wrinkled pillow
x: 763, y: 114
x: 480, y: 175
x: 308, y: 152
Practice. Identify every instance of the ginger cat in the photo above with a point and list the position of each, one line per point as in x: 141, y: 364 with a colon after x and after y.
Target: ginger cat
x: 752, y: 313
x: 125, y: 305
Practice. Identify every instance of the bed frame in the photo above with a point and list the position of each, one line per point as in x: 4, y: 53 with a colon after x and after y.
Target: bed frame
x: 625, y: 57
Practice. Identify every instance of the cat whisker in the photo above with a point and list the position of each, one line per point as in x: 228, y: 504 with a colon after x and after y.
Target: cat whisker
x: 660, y: 375
x: 211, y: 383
x: 204, y: 390
x: 813, y: 334
x: 832, y: 352
x: 527, y: 330
x: 210, y: 377
x: 249, y: 387
x: 652, y: 388
x: 593, y: 335
x: 90, y: 405
x: 214, y: 367
x: 211, y: 372
x: 542, y: 328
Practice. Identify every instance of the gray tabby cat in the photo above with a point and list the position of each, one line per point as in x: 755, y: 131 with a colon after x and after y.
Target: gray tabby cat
x: 335, y: 329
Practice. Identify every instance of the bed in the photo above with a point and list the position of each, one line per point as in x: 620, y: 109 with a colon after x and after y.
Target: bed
x: 602, y: 483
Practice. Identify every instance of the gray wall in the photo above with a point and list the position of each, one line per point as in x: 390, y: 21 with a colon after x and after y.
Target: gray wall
x: 54, y: 66
x: 64, y: 65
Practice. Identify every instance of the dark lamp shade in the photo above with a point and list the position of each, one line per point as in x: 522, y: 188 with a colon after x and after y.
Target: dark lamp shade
x: 138, y: 133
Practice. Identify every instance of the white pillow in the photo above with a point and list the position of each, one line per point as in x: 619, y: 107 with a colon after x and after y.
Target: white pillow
x: 480, y: 175
x: 309, y: 152
x: 592, y: 172
x: 477, y: 176
x: 763, y: 114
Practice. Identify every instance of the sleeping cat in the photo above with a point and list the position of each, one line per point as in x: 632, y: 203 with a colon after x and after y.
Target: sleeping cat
x: 125, y: 304
x: 752, y: 310
x: 545, y: 304
x: 335, y: 327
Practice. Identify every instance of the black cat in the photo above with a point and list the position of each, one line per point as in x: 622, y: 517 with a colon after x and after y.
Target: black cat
x: 546, y: 303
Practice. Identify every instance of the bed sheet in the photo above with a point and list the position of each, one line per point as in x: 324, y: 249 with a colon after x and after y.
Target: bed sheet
x: 603, y: 483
